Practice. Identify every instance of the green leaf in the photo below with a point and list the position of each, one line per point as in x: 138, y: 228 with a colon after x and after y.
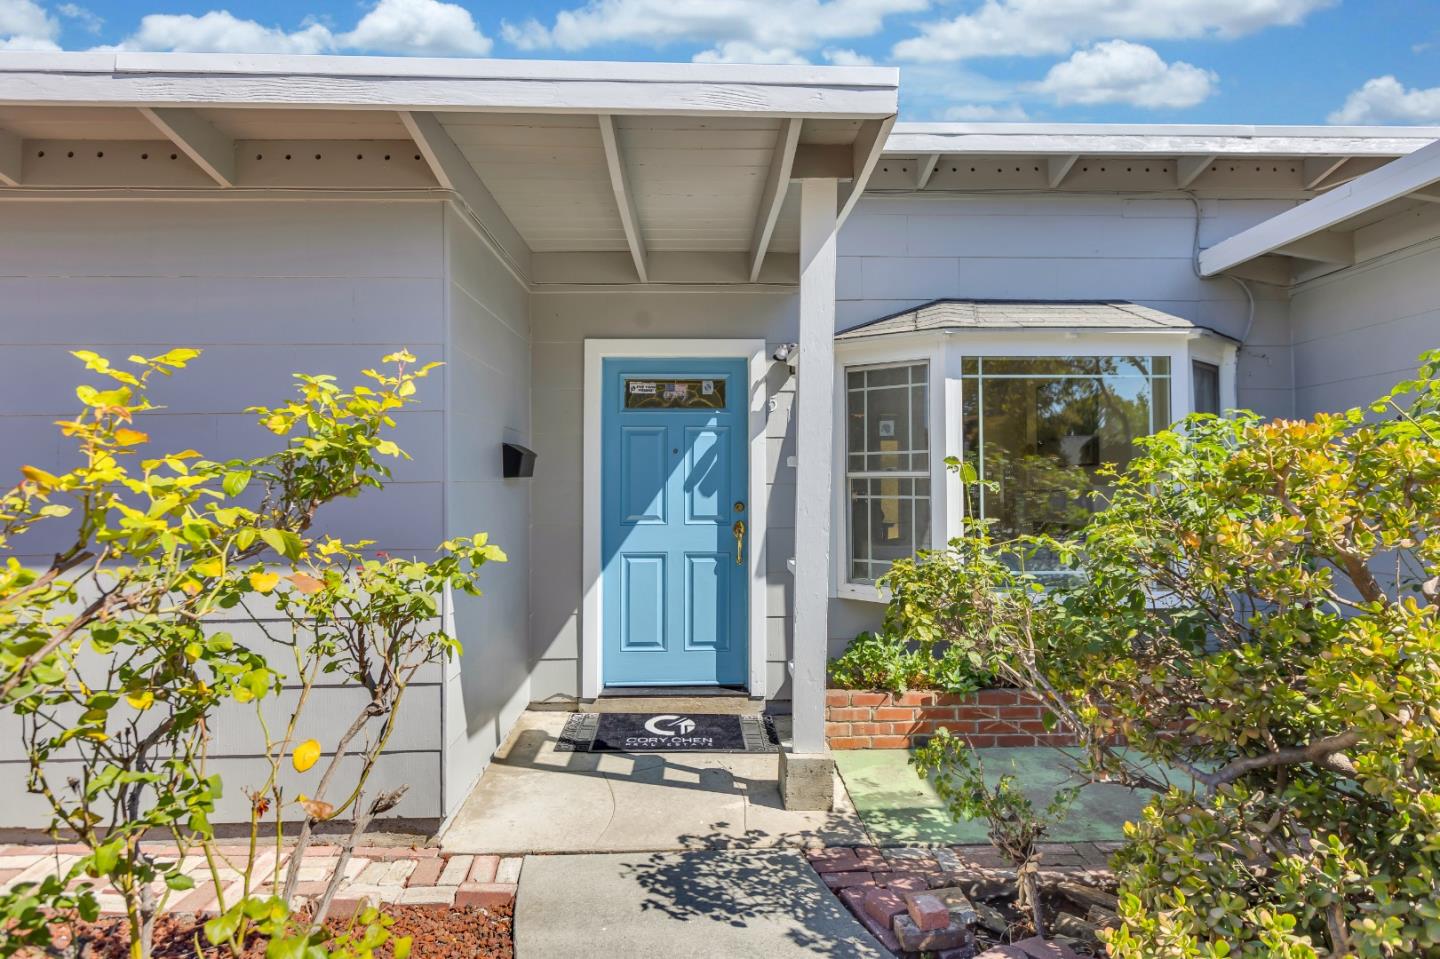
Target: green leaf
x: 222, y: 928
x: 284, y: 542
x: 179, y: 882
x: 235, y: 482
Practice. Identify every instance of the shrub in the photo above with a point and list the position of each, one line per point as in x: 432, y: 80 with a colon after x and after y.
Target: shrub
x: 1256, y: 612
x: 112, y: 663
x: 917, y: 647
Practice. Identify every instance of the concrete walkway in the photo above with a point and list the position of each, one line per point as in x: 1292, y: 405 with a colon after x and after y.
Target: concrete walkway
x: 718, y: 904
x: 533, y: 799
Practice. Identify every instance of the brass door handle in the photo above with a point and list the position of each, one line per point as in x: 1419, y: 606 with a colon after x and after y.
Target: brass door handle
x: 739, y: 530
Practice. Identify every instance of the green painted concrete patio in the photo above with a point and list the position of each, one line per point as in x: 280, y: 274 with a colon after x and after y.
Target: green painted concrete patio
x: 899, y: 808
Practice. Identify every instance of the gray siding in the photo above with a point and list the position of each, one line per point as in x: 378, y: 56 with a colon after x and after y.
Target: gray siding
x: 897, y: 252
x: 1357, y: 332
x: 488, y: 357
x: 265, y: 289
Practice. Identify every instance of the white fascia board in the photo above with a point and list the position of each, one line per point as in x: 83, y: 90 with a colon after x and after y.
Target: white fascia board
x: 1391, y: 182
x: 403, y: 83
x: 1105, y: 139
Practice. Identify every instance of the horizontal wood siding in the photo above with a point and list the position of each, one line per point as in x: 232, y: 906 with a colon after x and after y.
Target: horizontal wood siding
x: 1359, y: 331
x: 488, y: 361
x: 265, y: 289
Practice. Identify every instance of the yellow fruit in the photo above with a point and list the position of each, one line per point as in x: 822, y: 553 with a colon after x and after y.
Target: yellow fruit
x: 305, y: 755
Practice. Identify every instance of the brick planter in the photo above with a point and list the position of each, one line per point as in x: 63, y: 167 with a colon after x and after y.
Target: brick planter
x: 856, y: 719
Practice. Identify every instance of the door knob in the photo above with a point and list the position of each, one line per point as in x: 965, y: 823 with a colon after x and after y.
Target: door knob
x: 739, y: 530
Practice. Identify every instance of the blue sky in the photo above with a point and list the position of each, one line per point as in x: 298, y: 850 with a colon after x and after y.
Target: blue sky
x: 1180, y: 61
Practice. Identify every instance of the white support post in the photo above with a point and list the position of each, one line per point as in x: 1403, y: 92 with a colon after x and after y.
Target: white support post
x: 814, y: 406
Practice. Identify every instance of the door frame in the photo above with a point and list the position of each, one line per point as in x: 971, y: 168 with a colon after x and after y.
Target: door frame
x: 592, y: 603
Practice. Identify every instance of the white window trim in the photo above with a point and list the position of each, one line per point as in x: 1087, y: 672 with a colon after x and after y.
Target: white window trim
x: 930, y: 350
x: 592, y: 609
x: 945, y: 351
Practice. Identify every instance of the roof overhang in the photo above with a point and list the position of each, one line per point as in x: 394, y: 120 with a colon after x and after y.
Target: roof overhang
x: 1367, y: 217
x: 1274, y: 160
x: 1064, y: 317
x: 575, y: 172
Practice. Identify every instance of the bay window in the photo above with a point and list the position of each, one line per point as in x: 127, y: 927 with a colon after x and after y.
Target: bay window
x: 1037, y: 397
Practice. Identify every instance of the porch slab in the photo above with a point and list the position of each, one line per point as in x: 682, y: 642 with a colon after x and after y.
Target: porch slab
x: 533, y: 799
x: 899, y: 808
x: 702, y: 905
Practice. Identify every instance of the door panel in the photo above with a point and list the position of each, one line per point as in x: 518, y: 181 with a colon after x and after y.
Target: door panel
x: 642, y: 602
x: 643, y: 469
x: 706, y: 620
x: 707, y: 492
x: 674, y: 479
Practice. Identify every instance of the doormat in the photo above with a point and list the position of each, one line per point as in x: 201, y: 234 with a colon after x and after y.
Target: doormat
x: 667, y: 733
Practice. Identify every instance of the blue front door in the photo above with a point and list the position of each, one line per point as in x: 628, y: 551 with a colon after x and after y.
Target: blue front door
x: 674, y: 464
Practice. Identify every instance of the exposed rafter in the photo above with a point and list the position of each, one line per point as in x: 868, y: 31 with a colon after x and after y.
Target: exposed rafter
x: 865, y: 153
x: 453, y: 172
x: 1326, y: 247
x: 9, y: 158
x: 1058, y: 168
x: 1188, y: 170
x: 624, y: 198
x: 777, y: 183
x: 211, y: 150
x: 1320, y: 169
x: 925, y: 170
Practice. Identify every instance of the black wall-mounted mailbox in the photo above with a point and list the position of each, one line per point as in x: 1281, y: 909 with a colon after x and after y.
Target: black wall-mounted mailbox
x: 516, y: 461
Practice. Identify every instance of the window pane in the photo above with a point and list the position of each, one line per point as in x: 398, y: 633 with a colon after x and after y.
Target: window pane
x: 1042, y: 438
x: 1206, y: 377
x: 643, y: 394
x: 889, y: 520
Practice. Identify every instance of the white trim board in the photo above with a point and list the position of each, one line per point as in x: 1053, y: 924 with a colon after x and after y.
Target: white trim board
x: 545, y: 86
x: 592, y: 590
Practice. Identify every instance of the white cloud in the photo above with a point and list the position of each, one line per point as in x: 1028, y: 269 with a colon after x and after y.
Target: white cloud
x: 741, y: 51
x: 424, y: 27
x: 1387, y: 100
x: 739, y: 30
x: 985, y: 112
x: 1118, y: 71
x: 847, y: 58
x: 24, y: 25
x: 81, y: 15
x: 1041, y: 27
x: 219, y: 31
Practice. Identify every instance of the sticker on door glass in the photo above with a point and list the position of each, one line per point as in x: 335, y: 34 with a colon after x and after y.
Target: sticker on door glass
x: 683, y: 394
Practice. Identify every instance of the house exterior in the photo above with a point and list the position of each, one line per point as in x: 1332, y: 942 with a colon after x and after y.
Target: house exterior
x: 740, y: 314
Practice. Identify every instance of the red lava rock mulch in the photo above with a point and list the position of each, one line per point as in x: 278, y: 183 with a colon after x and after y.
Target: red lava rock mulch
x: 467, y: 932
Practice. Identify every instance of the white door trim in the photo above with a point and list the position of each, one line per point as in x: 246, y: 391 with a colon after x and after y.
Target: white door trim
x: 591, y: 609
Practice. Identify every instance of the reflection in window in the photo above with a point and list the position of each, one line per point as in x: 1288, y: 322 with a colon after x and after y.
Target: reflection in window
x: 1040, y: 428
x: 887, y: 466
